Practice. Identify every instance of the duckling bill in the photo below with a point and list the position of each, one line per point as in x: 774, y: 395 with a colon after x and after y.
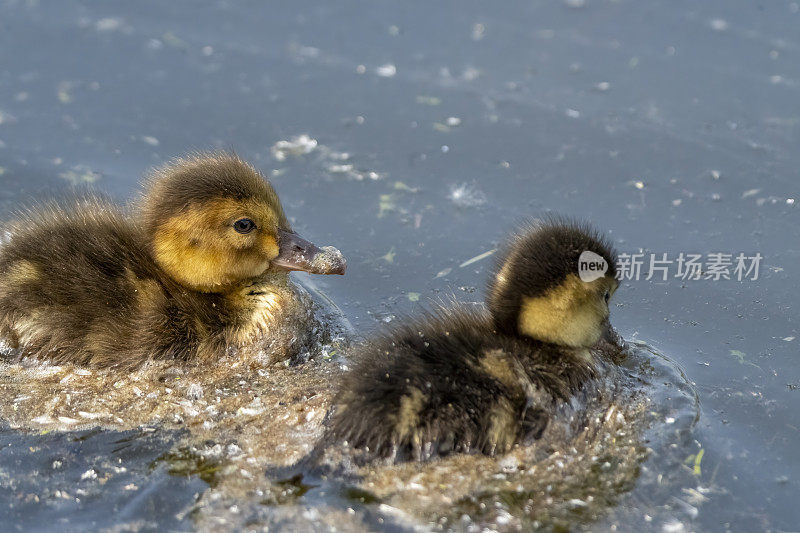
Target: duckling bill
x: 478, y: 381
x: 197, y: 269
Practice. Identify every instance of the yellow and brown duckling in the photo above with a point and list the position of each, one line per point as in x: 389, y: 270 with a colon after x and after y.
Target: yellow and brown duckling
x: 199, y: 268
x: 461, y: 380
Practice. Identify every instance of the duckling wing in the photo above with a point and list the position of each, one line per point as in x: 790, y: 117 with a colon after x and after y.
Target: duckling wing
x: 70, y: 282
x: 432, y: 387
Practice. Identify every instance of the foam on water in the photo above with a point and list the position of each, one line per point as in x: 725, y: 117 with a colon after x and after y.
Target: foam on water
x: 624, y: 440
x: 237, y: 418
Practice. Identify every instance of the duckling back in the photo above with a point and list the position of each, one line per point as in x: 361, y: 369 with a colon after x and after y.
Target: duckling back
x: 448, y: 382
x: 67, y: 277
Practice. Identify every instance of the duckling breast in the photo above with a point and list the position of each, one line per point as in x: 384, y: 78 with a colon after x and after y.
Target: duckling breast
x: 271, y: 318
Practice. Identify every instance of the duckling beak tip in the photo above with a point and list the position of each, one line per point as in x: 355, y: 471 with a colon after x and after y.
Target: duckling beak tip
x: 296, y: 253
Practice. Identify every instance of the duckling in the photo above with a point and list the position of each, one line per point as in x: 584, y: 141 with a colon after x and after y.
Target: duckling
x: 199, y: 267
x: 461, y: 380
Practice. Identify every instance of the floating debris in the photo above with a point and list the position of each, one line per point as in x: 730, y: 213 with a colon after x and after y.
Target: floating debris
x: 718, y: 24
x: 386, y: 71
x: 340, y: 169
x: 194, y: 391
x: 149, y: 139
x: 6, y: 118
x: 333, y: 161
x: 174, y: 41
x: 386, y: 204
x: 697, y: 458
x: 470, y: 74
x: 740, y: 356
x: 108, y: 24
x: 428, y: 100
x: 400, y: 186
x: 296, y: 146
x: 352, y: 172
x: 64, y: 92
x: 477, y: 258
x: 305, y: 51
x: 93, y: 416
x: 80, y: 174
x: 389, y: 256
x: 413, y: 296
x: 478, y: 30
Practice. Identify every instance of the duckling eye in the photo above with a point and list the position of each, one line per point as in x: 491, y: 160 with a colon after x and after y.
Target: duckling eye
x: 607, y: 296
x: 244, y: 225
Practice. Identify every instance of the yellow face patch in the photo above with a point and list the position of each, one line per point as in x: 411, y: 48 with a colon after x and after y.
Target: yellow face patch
x: 199, y: 248
x: 570, y: 314
x: 269, y: 245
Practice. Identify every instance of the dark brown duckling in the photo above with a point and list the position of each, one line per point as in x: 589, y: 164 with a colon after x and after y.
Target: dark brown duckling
x: 199, y: 268
x: 461, y: 380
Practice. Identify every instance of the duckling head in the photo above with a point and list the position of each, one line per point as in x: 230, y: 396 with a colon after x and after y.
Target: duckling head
x: 214, y: 222
x: 554, y: 283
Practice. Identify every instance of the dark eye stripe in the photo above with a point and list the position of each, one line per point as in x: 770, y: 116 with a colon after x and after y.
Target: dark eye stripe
x: 244, y: 225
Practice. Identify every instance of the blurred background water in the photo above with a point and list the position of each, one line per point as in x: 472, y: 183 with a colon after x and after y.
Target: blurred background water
x: 414, y: 136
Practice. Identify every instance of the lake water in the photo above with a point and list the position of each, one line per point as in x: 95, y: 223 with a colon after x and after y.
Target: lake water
x: 414, y: 136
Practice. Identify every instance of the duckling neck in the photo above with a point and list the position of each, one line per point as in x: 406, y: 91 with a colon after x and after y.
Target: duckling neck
x: 266, y: 291
x: 582, y: 354
x: 263, y: 306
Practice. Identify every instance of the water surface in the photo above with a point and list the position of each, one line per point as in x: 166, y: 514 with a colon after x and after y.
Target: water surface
x: 430, y: 131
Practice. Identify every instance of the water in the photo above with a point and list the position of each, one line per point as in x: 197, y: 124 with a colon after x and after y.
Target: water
x: 672, y: 125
